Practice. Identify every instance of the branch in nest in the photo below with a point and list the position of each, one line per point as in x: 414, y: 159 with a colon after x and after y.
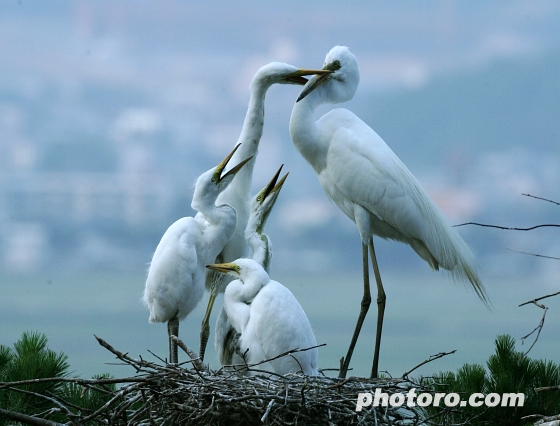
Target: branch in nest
x: 430, y: 359
x: 195, y: 359
x: 547, y: 388
x: 30, y: 420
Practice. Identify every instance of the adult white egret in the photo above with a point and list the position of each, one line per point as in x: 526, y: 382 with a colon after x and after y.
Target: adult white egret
x: 238, y: 193
x: 175, y: 282
x: 369, y: 183
x: 268, y: 318
x: 225, y: 340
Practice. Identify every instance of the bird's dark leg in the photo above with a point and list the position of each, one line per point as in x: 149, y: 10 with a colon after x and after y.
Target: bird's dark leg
x: 380, y: 310
x: 366, y: 301
x: 205, y: 326
x: 173, y: 330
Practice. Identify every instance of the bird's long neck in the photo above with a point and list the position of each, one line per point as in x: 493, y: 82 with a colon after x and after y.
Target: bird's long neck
x: 238, y: 296
x: 305, y: 132
x: 252, y: 285
x: 238, y: 192
x: 249, y: 139
x: 222, y: 215
x: 261, y: 248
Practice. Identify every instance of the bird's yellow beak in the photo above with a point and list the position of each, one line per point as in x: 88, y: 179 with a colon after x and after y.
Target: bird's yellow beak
x: 272, y: 186
x: 224, y: 268
x: 297, y: 77
x: 315, y: 82
x: 217, y: 177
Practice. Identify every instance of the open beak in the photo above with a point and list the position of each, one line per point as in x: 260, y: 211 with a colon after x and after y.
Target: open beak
x: 315, y: 82
x: 271, y: 190
x: 297, y: 77
x: 220, y: 168
x: 272, y: 186
x: 224, y: 268
x: 278, y: 186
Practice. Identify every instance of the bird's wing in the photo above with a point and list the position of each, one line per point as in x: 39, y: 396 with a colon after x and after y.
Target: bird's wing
x: 225, y: 334
x: 365, y: 171
x: 172, y: 284
x: 362, y: 170
x: 280, y: 325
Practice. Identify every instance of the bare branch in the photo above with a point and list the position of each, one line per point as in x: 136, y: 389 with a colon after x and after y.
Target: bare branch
x: 430, y: 359
x: 544, y: 199
x: 540, y: 298
x: 508, y: 228
x: 539, y: 327
x: 547, y: 388
x: 534, y: 254
x: 30, y: 420
x: 195, y: 359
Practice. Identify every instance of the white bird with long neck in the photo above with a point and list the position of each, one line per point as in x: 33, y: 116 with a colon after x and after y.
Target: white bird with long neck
x: 176, y: 276
x: 368, y: 182
x: 269, y: 320
x: 261, y: 248
x: 238, y: 193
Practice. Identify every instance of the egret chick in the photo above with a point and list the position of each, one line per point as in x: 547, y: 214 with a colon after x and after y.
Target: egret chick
x: 268, y: 318
x: 238, y: 193
x: 368, y: 182
x: 176, y: 276
x: 225, y: 340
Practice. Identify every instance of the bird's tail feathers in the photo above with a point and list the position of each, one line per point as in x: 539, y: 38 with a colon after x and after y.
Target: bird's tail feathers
x: 456, y: 257
x: 444, y: 245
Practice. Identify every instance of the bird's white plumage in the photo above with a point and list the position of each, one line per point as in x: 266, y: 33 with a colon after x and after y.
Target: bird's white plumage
x: 270, y: 320
x: 261, y: 249
x: 173, y: 287
x: 238, y: 193
x: 366, y: 180
x: 176, y: 276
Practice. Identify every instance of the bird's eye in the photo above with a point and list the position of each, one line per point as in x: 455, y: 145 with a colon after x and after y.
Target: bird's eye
x: 336, y: 64
x: 259, y: 198
x: 214, y: 179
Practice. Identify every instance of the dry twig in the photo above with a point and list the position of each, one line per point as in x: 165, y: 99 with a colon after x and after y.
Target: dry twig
x: 539, y: 327
x: 507, y: 228
x: 430, y: 359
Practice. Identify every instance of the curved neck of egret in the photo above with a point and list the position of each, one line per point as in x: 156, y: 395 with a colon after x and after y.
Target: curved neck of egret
x: 239, y: 294
x: 219, y: 215
x: 249, y: 139
x: 305, y: 132
x: 261, y: 248
x: 237, y: 193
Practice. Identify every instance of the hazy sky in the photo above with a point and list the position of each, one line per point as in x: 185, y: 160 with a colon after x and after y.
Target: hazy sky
x: 397, y: 43
x: 99, y: 69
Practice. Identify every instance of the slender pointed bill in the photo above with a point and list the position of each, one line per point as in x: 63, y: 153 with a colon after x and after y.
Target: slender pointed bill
x: 217, y: 177
x: 224, y: 268
x: 269, y: 186
x: 297, y: 77
x: 315, y: 82
x: 220, y: 167
x: 271, y: 194
x: 278, y: 186
x: 237, y: 168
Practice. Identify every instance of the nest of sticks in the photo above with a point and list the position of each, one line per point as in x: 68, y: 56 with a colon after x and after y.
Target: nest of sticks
x: 191, y: 394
